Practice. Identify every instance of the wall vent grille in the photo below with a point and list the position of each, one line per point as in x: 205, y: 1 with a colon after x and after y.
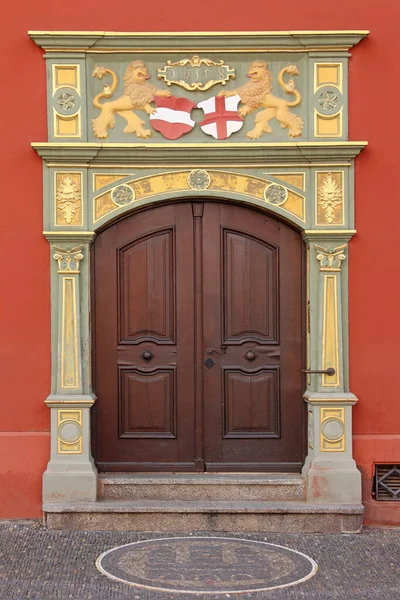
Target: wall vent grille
x: 387, y: 483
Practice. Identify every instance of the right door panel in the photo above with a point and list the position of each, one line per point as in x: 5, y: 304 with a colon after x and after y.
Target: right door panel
x: 252, y: 306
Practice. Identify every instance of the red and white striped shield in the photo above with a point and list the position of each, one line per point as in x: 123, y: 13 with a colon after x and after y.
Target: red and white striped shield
x: 172, y: 117
x: 221, y: 116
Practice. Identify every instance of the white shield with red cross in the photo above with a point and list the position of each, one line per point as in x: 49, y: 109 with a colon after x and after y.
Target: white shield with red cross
x: 172, y: 117
x: 221, y: 116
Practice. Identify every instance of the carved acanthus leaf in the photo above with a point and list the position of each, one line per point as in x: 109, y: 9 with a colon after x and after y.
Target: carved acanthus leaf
x: 330, y: 197
x: 68, y: 196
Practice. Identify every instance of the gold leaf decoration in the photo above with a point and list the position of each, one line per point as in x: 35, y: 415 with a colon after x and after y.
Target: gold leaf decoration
x: 68, y: 197
x: 330, y: 197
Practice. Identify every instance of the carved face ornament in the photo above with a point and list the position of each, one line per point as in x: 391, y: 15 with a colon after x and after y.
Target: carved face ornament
x: 256, y: 71
x: 141, y: 73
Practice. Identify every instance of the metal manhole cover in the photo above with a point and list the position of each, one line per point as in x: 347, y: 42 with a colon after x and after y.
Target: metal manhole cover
x: 206, y: 565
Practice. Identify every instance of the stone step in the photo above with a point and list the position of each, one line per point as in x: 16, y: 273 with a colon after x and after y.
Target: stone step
x: 202, y: 486
x: 186, y: 516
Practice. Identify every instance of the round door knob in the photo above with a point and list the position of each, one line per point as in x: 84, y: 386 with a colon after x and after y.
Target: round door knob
x: 250, y: 355
x: 147, y: 355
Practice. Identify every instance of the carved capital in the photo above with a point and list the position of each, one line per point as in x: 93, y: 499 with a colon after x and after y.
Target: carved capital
x: 330, y: 258
x: 68, y: 258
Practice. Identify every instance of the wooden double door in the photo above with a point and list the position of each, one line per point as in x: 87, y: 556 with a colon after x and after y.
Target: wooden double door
x: 198, y: 341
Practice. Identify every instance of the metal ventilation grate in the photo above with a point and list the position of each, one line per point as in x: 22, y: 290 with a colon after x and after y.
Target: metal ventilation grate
x: 387, y: 483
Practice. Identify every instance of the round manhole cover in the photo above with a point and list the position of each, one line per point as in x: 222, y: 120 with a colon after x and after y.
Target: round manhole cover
x: 206, y: 565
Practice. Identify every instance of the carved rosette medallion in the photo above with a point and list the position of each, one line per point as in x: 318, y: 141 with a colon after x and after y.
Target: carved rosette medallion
x: 69, y: 196
x: 275, y: 194
x: 122, y: 195
x: 199, y: 180
x: 66, y: 101
x: 328, y: 100
x: 196, y: 73
x: 330, y: 199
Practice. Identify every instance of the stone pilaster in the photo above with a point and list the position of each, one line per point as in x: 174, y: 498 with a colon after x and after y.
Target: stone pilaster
x: 332, y: 475
x: 71, y: 474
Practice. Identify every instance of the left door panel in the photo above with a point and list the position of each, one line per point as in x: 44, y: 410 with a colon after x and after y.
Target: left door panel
x: 144, y: 347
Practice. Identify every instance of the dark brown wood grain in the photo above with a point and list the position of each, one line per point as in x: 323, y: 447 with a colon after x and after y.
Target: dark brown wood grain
x: 175, y: 281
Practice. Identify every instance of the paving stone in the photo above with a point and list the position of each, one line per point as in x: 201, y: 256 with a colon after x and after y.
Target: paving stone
x: 39, y: 564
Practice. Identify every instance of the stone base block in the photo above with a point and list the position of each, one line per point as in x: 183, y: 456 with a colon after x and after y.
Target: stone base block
x: 330, y: 482
x: 70, y: 487
x: 235, y: 517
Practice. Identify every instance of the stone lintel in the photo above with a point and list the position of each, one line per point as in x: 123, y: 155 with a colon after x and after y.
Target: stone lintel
x: 256, y: 41
x: 235, y: 154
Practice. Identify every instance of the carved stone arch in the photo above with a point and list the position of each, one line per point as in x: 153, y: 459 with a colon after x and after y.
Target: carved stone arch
x: 268, y: 194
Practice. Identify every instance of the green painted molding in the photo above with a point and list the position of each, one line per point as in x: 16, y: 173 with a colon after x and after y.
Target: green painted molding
x: 326, y: 236
x: 69, y: 237
x: 258, y: 41
x: 336, y: 398
x: 304, y: 153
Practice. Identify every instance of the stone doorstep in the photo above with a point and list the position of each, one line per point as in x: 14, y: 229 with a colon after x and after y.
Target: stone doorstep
x: 233, y: 516
x: 202, y: 486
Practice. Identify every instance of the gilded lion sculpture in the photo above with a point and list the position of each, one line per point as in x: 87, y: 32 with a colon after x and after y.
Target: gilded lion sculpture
x: 257, y: 94
x: 138, y: 94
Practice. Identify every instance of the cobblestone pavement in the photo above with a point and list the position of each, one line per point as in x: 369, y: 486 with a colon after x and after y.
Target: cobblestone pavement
x: 46, y: 565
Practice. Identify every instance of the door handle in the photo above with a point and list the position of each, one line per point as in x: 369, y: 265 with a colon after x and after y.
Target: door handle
x: 329, y: 371
x: 214, y: 350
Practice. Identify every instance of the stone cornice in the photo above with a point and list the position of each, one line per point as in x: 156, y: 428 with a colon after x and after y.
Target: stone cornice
x: 217, y: 154
x: 254, y: 41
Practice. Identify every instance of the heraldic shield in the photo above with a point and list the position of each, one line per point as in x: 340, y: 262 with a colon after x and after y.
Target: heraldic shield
x: 221, y: 116
x: 172, y: 116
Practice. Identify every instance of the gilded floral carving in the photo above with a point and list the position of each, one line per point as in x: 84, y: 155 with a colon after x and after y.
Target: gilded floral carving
x: 330, y: 198
x: 68, y: 196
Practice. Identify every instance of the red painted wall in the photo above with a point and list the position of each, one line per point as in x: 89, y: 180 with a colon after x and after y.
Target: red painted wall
x: 374, y: 284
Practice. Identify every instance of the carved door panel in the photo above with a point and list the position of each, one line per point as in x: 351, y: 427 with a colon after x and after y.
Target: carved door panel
x: 144, y: 342
x: 175, y: 286
x: 252, y: 329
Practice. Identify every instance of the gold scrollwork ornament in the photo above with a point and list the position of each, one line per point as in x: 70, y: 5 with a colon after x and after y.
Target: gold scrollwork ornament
x: 68, y: 258
x: 330, y: 258
x: 205, y: 72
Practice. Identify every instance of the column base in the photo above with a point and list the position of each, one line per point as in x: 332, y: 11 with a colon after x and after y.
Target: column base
x: 332, y: 481
x: 70, y: 483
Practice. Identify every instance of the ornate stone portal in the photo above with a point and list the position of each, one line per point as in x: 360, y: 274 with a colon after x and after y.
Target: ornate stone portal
x: 287, y: 154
